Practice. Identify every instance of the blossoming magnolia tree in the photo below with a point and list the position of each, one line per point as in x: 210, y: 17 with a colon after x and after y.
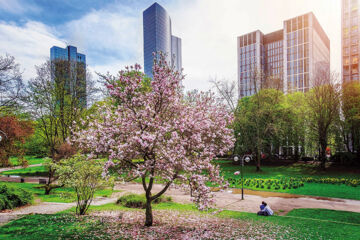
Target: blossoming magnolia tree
x: 152, y: 120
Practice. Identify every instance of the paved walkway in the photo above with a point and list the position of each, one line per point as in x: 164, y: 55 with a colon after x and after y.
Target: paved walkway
x: 280, y: 204
x: 47, y: 208
x: 18, y: 167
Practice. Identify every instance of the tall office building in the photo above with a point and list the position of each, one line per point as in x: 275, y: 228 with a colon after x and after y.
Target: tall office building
x: 157, y: 37
x: 350, y: 40
x: 287, y: 57
x: 70, y: 68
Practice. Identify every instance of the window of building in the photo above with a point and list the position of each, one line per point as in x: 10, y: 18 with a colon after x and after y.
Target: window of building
x: 346, y: 61
x: 355, y: 60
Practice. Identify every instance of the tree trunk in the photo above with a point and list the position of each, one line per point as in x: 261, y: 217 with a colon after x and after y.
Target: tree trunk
x: 148, y: 213
x: 323, y: 145
x: 258, y: 157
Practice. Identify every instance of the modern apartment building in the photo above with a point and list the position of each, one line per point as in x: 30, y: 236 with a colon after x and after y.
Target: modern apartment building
x: 286, y: 58
x: 70, y: 69
x: 350, y: 40
x: 158, y: 37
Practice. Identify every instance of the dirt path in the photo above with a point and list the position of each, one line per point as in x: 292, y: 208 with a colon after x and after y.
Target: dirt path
x: 281, y: 204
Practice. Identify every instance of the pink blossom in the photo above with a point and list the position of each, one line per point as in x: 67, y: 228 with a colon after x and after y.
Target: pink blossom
x: 176, y: 136
x: 237, y: 173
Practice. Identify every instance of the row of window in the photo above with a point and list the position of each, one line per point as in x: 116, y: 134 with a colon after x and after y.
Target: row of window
x: 352, y: 60
x: 298, y: 81
x: 296, y: 67
x: 297, y: 23
x: 277, y: 44
x: 354, y: 31
x: 354, y: 50
x: 299, y: 37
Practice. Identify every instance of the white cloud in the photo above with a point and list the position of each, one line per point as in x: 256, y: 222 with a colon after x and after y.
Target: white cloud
x: 112, y: 37
x: 30, y: 44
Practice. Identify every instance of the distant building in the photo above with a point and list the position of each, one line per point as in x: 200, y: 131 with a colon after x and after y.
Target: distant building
x: 70, y: 67
x: 157, y: 37
x: 350, y: 40
x: 288, y: 56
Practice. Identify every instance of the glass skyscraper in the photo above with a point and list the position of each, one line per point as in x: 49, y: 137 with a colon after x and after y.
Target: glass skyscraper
x: 74, y: 76
x: 350, y: 40
x: 157, y: 37
x: 288, y: 56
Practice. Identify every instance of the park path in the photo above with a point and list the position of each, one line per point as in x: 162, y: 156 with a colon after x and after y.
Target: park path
x: 18, y: 167
x: 229, y: 200
x: 49, y: 208
x: 280, y: 203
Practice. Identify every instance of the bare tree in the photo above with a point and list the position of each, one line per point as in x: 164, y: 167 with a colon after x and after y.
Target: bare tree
x: 323, y: 101
x: 11, y: 84
x: 57, y: 100
x: 226, y: 91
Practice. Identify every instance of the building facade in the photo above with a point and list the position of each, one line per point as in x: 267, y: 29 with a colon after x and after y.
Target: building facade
x: 158, y: 37
x: 69, y: 69
x: 350, y: 40
x: 285, y: 59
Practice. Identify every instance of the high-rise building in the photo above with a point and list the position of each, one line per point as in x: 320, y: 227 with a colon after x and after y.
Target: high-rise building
x: 350, y: 40
x: 70, y: 69
x: 157, y: 37
x: 287, y: 57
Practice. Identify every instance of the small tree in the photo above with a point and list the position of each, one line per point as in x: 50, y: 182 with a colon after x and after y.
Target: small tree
x: 14, y: 132
x: 84, y: 176
x: 323, y: 103
x: 175, y: 138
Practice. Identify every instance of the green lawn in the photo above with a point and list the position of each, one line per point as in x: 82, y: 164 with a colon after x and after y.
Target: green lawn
x: 297, y: 171
x: 57, y: 195
x: 291, y: 170
x: 300, y: 223
x: 31, y: 160
x: 29, y: 171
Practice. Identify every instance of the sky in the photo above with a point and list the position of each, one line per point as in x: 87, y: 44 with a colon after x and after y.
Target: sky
x: 110, y: 33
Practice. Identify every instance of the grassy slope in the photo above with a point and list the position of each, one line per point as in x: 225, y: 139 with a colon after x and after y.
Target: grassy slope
x: 68, y: 226
x: 29, y: 171
x: 31, y: 160
x: 58, y: 194
x: 298, y: 170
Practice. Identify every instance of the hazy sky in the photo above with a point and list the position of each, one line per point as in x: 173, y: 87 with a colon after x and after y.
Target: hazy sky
x: 110, y: 32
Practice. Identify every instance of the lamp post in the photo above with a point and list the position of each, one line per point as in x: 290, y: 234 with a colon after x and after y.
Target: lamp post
x: 247, y: 159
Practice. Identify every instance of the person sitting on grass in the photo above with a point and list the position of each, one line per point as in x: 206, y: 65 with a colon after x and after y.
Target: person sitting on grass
x: 265, y: 210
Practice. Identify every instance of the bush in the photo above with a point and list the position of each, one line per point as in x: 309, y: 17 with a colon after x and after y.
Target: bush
x: 139, y: 200
x: 83, y: 175
x: 11, y: 197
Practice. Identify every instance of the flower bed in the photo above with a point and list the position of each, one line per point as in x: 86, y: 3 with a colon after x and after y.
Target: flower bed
x: 258, y: 183
x: 350, y: 182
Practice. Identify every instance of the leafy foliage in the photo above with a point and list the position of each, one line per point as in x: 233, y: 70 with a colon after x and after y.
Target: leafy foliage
x: 11, y: 197
x: 139, y: 201
x: 84, y: 176
x: 13, y: 132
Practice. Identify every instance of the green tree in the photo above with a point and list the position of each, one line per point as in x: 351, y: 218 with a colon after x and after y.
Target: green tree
x: 295, y: 126
x: 323, y: 102
x: 83, y: 175
x: 258, y: 121
x: 351, y: 112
